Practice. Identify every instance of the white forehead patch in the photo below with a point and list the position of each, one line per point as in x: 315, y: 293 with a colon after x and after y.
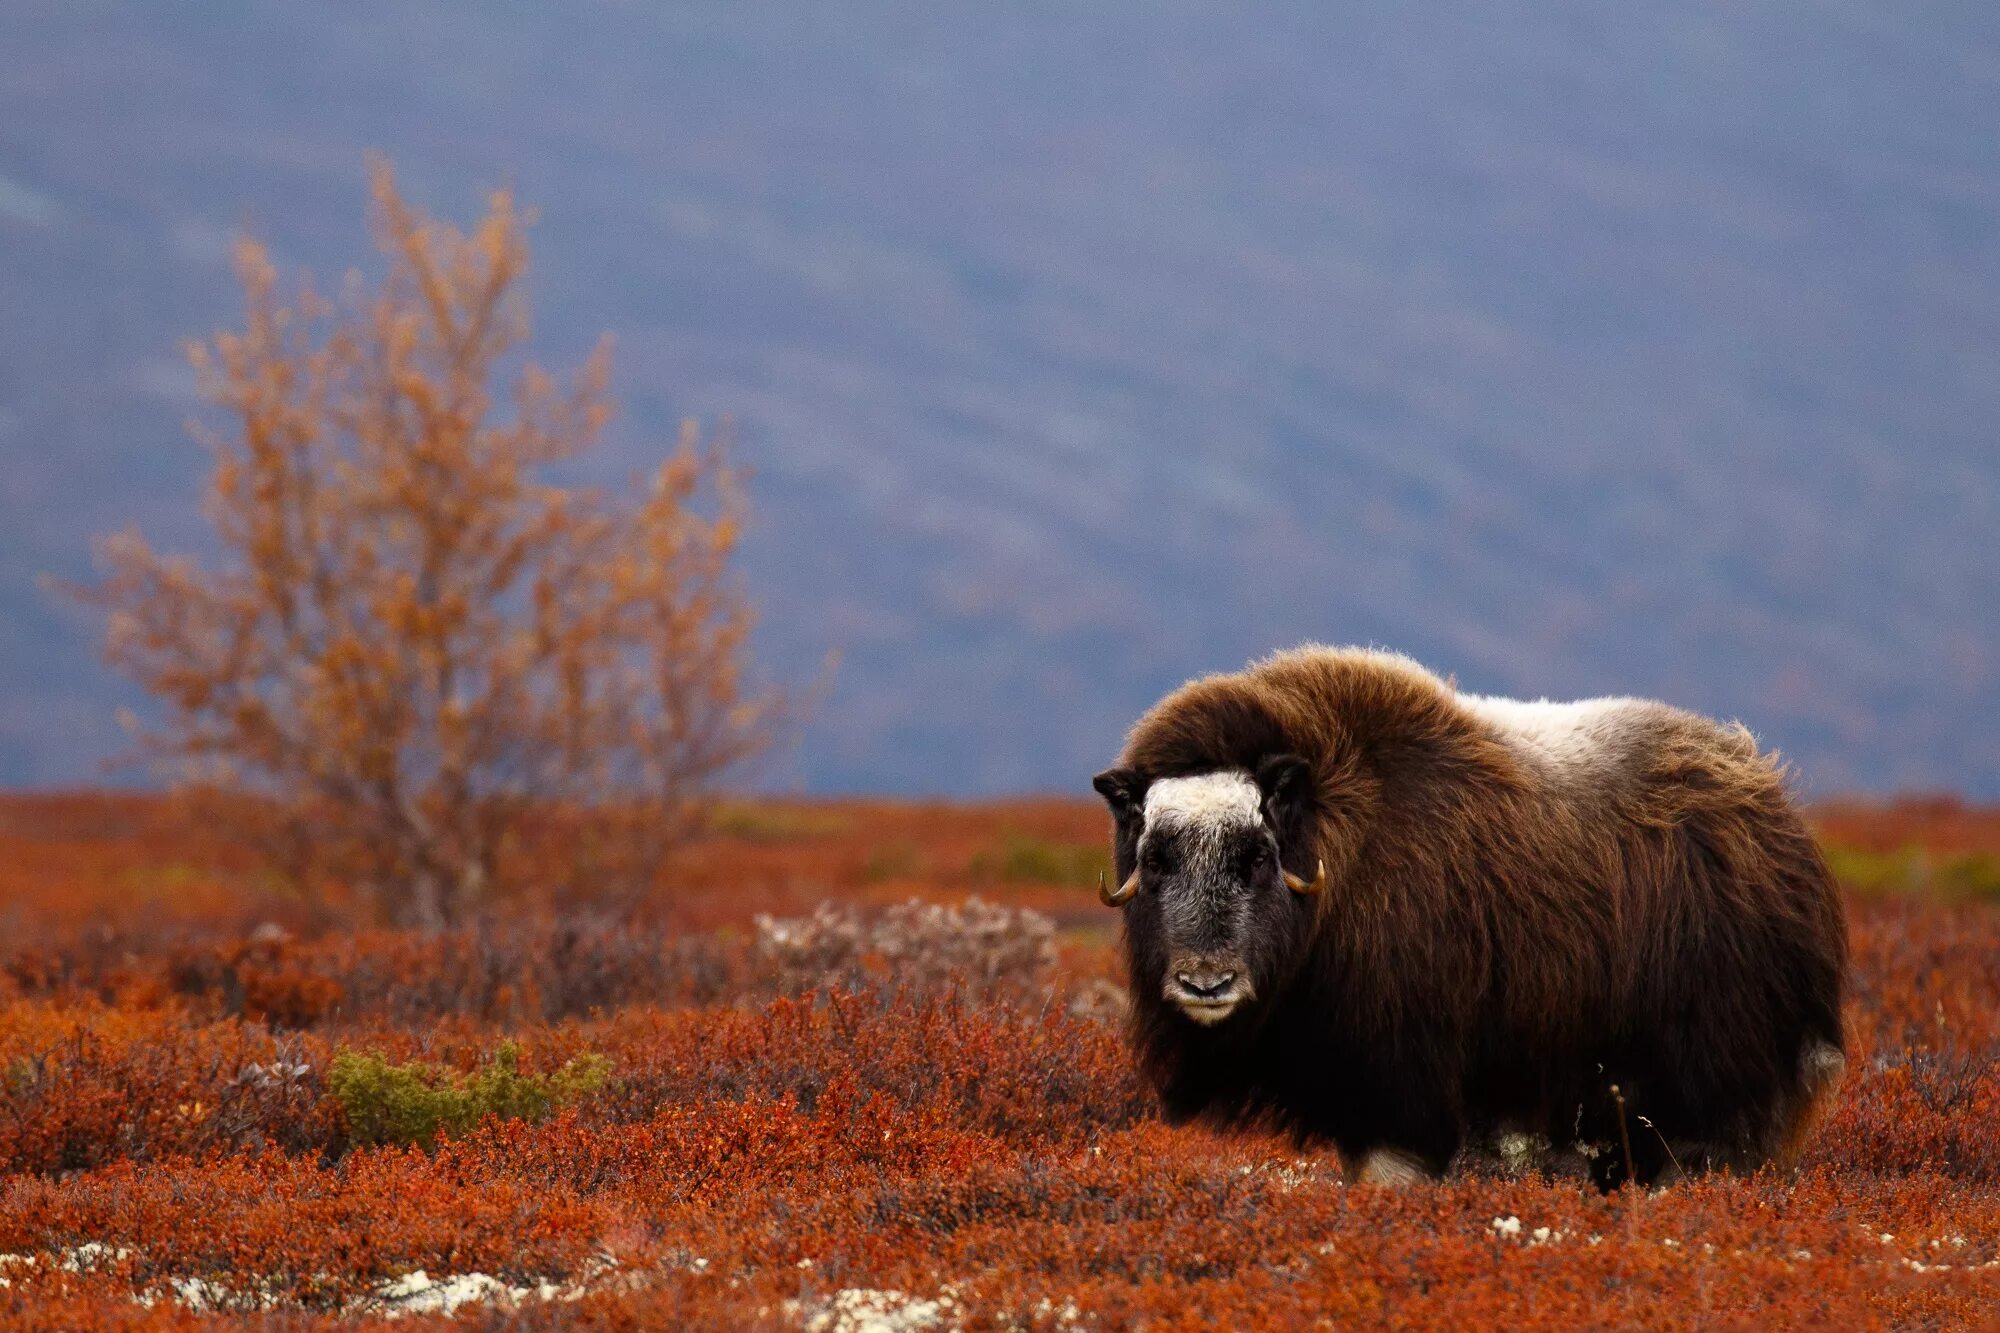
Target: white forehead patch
x: 1219, y: 799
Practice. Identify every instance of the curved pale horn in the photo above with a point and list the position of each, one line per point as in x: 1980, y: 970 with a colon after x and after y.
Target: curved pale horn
x: 1297, y: 885
x: 1124, y: 894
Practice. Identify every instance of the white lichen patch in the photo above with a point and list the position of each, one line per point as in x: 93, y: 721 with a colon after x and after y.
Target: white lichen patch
x: 411, y: 1294
x: 863, y: 1310
x: 419, y: 1293
x: 1064, y: 1316
x: 1512, y: 1228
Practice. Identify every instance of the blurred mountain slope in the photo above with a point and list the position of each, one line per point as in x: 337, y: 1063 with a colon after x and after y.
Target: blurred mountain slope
x: 1082, y: 348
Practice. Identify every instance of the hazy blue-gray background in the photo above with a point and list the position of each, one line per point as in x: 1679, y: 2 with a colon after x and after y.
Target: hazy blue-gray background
x: 1572, y: 347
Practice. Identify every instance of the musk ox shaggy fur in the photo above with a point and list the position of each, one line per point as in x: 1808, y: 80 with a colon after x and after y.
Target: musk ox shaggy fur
x: 1379, y: 912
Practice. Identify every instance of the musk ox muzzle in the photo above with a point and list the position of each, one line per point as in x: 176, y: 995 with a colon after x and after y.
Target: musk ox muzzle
x: 1208, y: 987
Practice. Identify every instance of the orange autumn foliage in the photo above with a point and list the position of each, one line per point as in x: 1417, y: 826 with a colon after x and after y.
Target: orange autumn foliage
x: 754, y: 1151
x: 419, y: 651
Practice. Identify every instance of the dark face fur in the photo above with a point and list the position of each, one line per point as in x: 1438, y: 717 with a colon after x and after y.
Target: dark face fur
x: 1213, y: 924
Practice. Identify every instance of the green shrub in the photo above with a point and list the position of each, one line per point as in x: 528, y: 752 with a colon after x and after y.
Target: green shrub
x: 415, y: 1102
x: 1973, y: 876
x: 897, y: 860
x: 1970, y: 875
x: 1026, y: 860
x: 1873, y: 873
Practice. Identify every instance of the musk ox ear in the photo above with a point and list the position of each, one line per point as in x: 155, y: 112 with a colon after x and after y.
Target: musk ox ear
x: 1285, y: 782
x: 1122, y: 789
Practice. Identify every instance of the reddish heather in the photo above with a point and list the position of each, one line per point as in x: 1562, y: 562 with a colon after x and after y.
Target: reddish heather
x: 862, y: 1103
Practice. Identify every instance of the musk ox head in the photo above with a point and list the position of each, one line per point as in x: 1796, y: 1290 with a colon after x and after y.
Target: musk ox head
x: 1211, y: 880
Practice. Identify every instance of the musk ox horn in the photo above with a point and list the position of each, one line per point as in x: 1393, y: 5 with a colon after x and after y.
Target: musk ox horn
x: 1125, y: 890
x: 1297, y: 885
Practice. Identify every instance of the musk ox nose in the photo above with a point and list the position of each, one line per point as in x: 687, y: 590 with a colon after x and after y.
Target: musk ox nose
x: 1205, y: 985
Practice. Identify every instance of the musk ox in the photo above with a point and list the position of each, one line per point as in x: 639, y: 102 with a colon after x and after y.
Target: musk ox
x: 1378, y: 912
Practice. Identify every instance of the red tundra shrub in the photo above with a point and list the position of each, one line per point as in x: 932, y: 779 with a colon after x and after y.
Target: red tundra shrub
x: 769, y: 1150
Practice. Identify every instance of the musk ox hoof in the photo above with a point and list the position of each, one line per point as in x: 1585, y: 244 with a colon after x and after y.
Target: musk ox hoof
x: 1521, y: 1154
x: 1388, y: 1166
x: 1822, y: 1068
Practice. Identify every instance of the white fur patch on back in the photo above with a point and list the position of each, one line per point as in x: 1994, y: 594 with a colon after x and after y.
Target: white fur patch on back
x: 1226, y: 797
x: 1576, y: 738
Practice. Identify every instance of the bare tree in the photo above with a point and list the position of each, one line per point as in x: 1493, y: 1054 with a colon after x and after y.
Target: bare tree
x: 427, y: 659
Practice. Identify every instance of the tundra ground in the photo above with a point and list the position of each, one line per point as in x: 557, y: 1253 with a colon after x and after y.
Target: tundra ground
x: 789, y: 1097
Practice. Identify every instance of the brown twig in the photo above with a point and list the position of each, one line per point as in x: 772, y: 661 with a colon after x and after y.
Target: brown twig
x: 1678, y: 1169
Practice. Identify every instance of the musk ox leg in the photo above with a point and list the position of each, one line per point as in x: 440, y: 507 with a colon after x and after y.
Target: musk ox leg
x: 1397, y: 1168
x: 1821, y: 1069
x: 1615, y: 1133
